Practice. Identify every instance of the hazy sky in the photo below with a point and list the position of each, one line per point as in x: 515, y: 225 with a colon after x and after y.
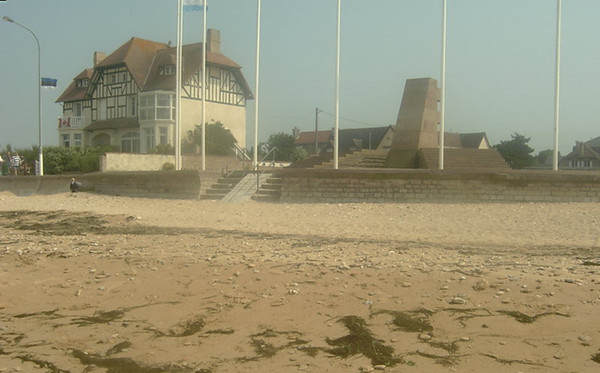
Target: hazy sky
x: 500, y: 60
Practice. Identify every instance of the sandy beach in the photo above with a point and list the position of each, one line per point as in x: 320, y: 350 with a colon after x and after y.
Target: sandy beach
x: 92, y: 283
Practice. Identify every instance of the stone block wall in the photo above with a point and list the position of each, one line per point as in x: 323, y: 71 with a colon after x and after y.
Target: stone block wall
x: 159, y: 184
x: 437, y: 186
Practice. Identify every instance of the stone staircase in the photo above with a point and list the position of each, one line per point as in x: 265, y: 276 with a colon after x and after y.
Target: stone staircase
x: 365, y: 158
x: 223, y: 186
x: 313, y: 161
x: 270, y: 190
x: 463, y: 159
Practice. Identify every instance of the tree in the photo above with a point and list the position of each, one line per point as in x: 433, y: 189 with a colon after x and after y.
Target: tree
x: 219, y: 140
x: 544, y: 155
x: 516, y: 152
x: 287, y: 151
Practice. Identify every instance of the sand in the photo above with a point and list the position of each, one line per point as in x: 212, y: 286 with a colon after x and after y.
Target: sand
x: 92, y: 283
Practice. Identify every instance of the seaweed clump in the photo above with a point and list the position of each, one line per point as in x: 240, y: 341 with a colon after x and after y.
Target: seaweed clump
x: 361, y: 341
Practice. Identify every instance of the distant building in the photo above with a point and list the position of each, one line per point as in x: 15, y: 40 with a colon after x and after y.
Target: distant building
x: 350, y: 139
x: 127, y: 100
x: 585, y: 156
x: 466, y: 140
x: 313, y: 143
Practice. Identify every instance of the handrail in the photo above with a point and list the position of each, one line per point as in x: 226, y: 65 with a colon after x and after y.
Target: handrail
x: 273, y: 150
x: 238, y: 149
x: 259, y: 173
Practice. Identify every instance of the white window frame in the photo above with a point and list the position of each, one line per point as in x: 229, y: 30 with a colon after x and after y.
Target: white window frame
x: 66, y: 140
x: 149, y: 136
x: 163, y: 135
x: 77, y: 140
x: 132, y: 139
x: 148, y: 106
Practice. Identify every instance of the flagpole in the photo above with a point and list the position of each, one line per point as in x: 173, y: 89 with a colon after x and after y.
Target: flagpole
x: 256, y: 90
x: 39, y: 87
x: 443, y: 87
x: 178, y: 71
x: 204, y: 88
x: 337, y: 88
x: 557, y: 87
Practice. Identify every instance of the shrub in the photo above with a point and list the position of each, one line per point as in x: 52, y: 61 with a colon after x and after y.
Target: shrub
x: 168, y: 166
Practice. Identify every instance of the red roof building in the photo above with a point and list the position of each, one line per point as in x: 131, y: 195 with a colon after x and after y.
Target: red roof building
x: 127, y: 100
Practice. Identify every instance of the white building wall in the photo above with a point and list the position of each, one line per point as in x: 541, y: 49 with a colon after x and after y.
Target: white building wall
x: 233, y: 117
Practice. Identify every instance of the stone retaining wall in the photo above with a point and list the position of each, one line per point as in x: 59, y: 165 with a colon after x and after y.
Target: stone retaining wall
x: 160, y: 184
x: 302, y: 185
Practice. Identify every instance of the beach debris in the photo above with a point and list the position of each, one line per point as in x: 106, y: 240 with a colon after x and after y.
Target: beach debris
x: 481, y: 285
x: 361, y: 341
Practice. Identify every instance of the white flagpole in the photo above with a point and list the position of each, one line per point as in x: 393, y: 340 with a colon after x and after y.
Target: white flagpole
x: 336, y: 129
x: 256, y: 89
x: 178, y: 75
x: 557, y: 88
x: 204, y: 88
x: 443, y: 87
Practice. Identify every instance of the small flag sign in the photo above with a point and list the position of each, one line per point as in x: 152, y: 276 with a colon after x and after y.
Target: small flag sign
x: 193, y: 5
x: 49, y: 82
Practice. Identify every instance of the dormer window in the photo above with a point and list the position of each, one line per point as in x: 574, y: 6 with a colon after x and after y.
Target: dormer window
x: 82, y: 83
x: 167, y: 70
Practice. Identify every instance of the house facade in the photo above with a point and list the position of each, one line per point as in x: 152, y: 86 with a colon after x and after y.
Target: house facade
x: 128, y: 99
x: 585, y: 156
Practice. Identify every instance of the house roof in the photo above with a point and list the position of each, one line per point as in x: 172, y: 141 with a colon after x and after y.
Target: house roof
x: 192, y: 61
x: 452, y: 140
x: 307, y: 138
x: 583, y: 150
x: 74, y: 93
x: 594, y: 143
x: 144, y: 58
x: 464, y: 140
x: 137, y: 54
x: 361, y: 138
x: 131, y: 122
x: 473, y: 140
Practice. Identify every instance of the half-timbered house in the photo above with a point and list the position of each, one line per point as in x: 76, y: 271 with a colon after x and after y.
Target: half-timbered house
x: 127, y: 100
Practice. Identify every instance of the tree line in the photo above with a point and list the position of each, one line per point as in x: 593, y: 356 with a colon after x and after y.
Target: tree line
x: 279, y: 146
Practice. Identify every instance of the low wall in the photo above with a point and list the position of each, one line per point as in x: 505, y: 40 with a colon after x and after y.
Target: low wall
x: 160, y: 184
x: 395, y: 185
x: 113, y: 162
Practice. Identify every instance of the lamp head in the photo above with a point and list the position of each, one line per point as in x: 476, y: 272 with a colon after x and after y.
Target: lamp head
x: 8, y: 19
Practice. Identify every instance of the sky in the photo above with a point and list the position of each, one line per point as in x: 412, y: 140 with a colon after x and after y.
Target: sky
x: 500, y: 73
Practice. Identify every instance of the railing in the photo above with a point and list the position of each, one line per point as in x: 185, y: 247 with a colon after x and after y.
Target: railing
x: 240, y: 152
x: 259, y: 173
x: 71, y: 122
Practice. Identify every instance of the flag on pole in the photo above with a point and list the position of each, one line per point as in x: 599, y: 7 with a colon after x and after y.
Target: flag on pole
x: 193, y: 5
x: 49, y: 82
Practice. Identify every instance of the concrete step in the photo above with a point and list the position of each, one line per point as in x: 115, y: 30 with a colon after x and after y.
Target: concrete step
x: 275, y: 180
x: 270, y: 192
x: 268, y: 186
x: 265, y: 198
x: 211, y: 197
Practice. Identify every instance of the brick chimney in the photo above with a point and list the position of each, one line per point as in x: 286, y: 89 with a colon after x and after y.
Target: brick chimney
x: 213, y: 41
x: 98, y: 57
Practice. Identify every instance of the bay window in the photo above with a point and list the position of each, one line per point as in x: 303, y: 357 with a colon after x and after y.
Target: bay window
x: 157, y: 106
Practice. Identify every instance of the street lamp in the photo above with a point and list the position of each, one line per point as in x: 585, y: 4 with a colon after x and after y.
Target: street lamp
x: 39, y: 84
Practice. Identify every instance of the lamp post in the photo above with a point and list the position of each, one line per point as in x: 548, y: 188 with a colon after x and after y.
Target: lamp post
x: 39, y: 84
